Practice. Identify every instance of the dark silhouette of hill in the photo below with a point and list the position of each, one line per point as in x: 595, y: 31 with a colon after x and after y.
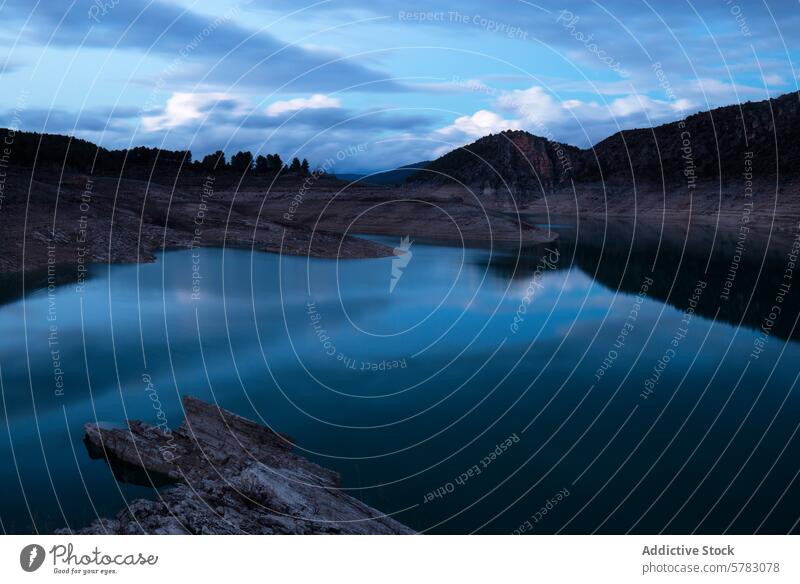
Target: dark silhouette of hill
x: 708, y: 146
x: 57, y: 152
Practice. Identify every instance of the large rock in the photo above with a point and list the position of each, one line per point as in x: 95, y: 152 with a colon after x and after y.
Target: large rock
x: 231, y: 475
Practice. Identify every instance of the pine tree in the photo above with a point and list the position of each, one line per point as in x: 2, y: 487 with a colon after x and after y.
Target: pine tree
x: 215, y: 161
x: 242, y: 161
x: 277, y: 163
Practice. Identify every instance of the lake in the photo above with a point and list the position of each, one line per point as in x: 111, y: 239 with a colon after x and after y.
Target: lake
x: 620, y: 380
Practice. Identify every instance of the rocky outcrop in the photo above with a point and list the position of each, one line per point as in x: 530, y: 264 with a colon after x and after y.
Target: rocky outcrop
x: 231, y: 476
x: 511, y: 164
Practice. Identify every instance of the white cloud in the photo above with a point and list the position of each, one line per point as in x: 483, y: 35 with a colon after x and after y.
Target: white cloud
x: 182, y: 108
x: 572, y: 120
x: 774, y: 79
x: 713, y: 89
x: 477, y: 125
x: 316, y: 101
x: 641, y: 104
x: 533, y: 104
x: 537, y: 106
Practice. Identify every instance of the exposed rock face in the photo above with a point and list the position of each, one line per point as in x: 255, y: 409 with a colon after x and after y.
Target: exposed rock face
x: 501, y: 167
x: 233, y: 476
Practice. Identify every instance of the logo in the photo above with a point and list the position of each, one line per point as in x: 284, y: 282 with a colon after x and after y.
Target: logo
x: 31, y: 557
x: 403, y: 255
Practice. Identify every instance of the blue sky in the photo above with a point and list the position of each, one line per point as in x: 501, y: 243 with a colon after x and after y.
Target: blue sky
x: 376, y: 84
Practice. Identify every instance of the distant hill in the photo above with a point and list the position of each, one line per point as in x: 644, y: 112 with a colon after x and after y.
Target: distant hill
x: 710, y: 146
x: 391, y: 177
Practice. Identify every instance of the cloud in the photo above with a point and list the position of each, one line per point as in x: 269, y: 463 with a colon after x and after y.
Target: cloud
x: 316, y: 101
x: 183, y: 108
x: 214, y: 47
x: 207, y: 121
x: 579, y: 122
x: 477, y: 125
x: 36, y: 119
x: 202, y: 112
x: 714, y: 90
x: 538, y: 106
x: 196, y: 57
x: 705, y: 41
x: 636, y: 105
x: 8, y: 65
x: 774, y: 79
x: 534, y: 104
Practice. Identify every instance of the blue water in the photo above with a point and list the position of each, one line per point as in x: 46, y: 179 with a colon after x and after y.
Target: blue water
x: 403, y: 390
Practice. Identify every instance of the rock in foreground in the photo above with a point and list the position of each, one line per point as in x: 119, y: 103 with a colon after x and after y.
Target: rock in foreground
x: 232, y: 476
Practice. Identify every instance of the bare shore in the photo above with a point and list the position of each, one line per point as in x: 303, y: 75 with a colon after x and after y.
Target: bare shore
x: 78, y: 219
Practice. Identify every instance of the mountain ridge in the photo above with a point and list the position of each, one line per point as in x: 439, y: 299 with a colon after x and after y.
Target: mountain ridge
x: 711, y: 146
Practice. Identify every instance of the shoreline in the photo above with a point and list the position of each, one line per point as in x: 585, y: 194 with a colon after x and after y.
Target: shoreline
x: 56, y: 222
x: 128, y: 220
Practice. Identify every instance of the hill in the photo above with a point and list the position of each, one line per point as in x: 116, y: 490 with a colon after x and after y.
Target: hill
x: 711, y: 147
x: 396, y: 176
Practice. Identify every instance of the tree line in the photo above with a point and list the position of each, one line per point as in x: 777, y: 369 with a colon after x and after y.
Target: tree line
x: 50, y: 150
x: 244, y: 161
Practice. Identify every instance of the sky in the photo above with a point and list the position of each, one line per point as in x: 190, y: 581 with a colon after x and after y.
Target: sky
x: 370, y: 85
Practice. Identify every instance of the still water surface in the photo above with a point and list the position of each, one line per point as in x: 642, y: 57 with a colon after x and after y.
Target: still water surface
x: 580, y: 360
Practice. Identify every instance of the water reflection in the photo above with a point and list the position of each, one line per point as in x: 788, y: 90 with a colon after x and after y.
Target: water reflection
x: 747, y: 272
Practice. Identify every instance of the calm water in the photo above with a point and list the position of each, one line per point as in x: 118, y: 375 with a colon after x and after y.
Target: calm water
x: 403, y: 389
